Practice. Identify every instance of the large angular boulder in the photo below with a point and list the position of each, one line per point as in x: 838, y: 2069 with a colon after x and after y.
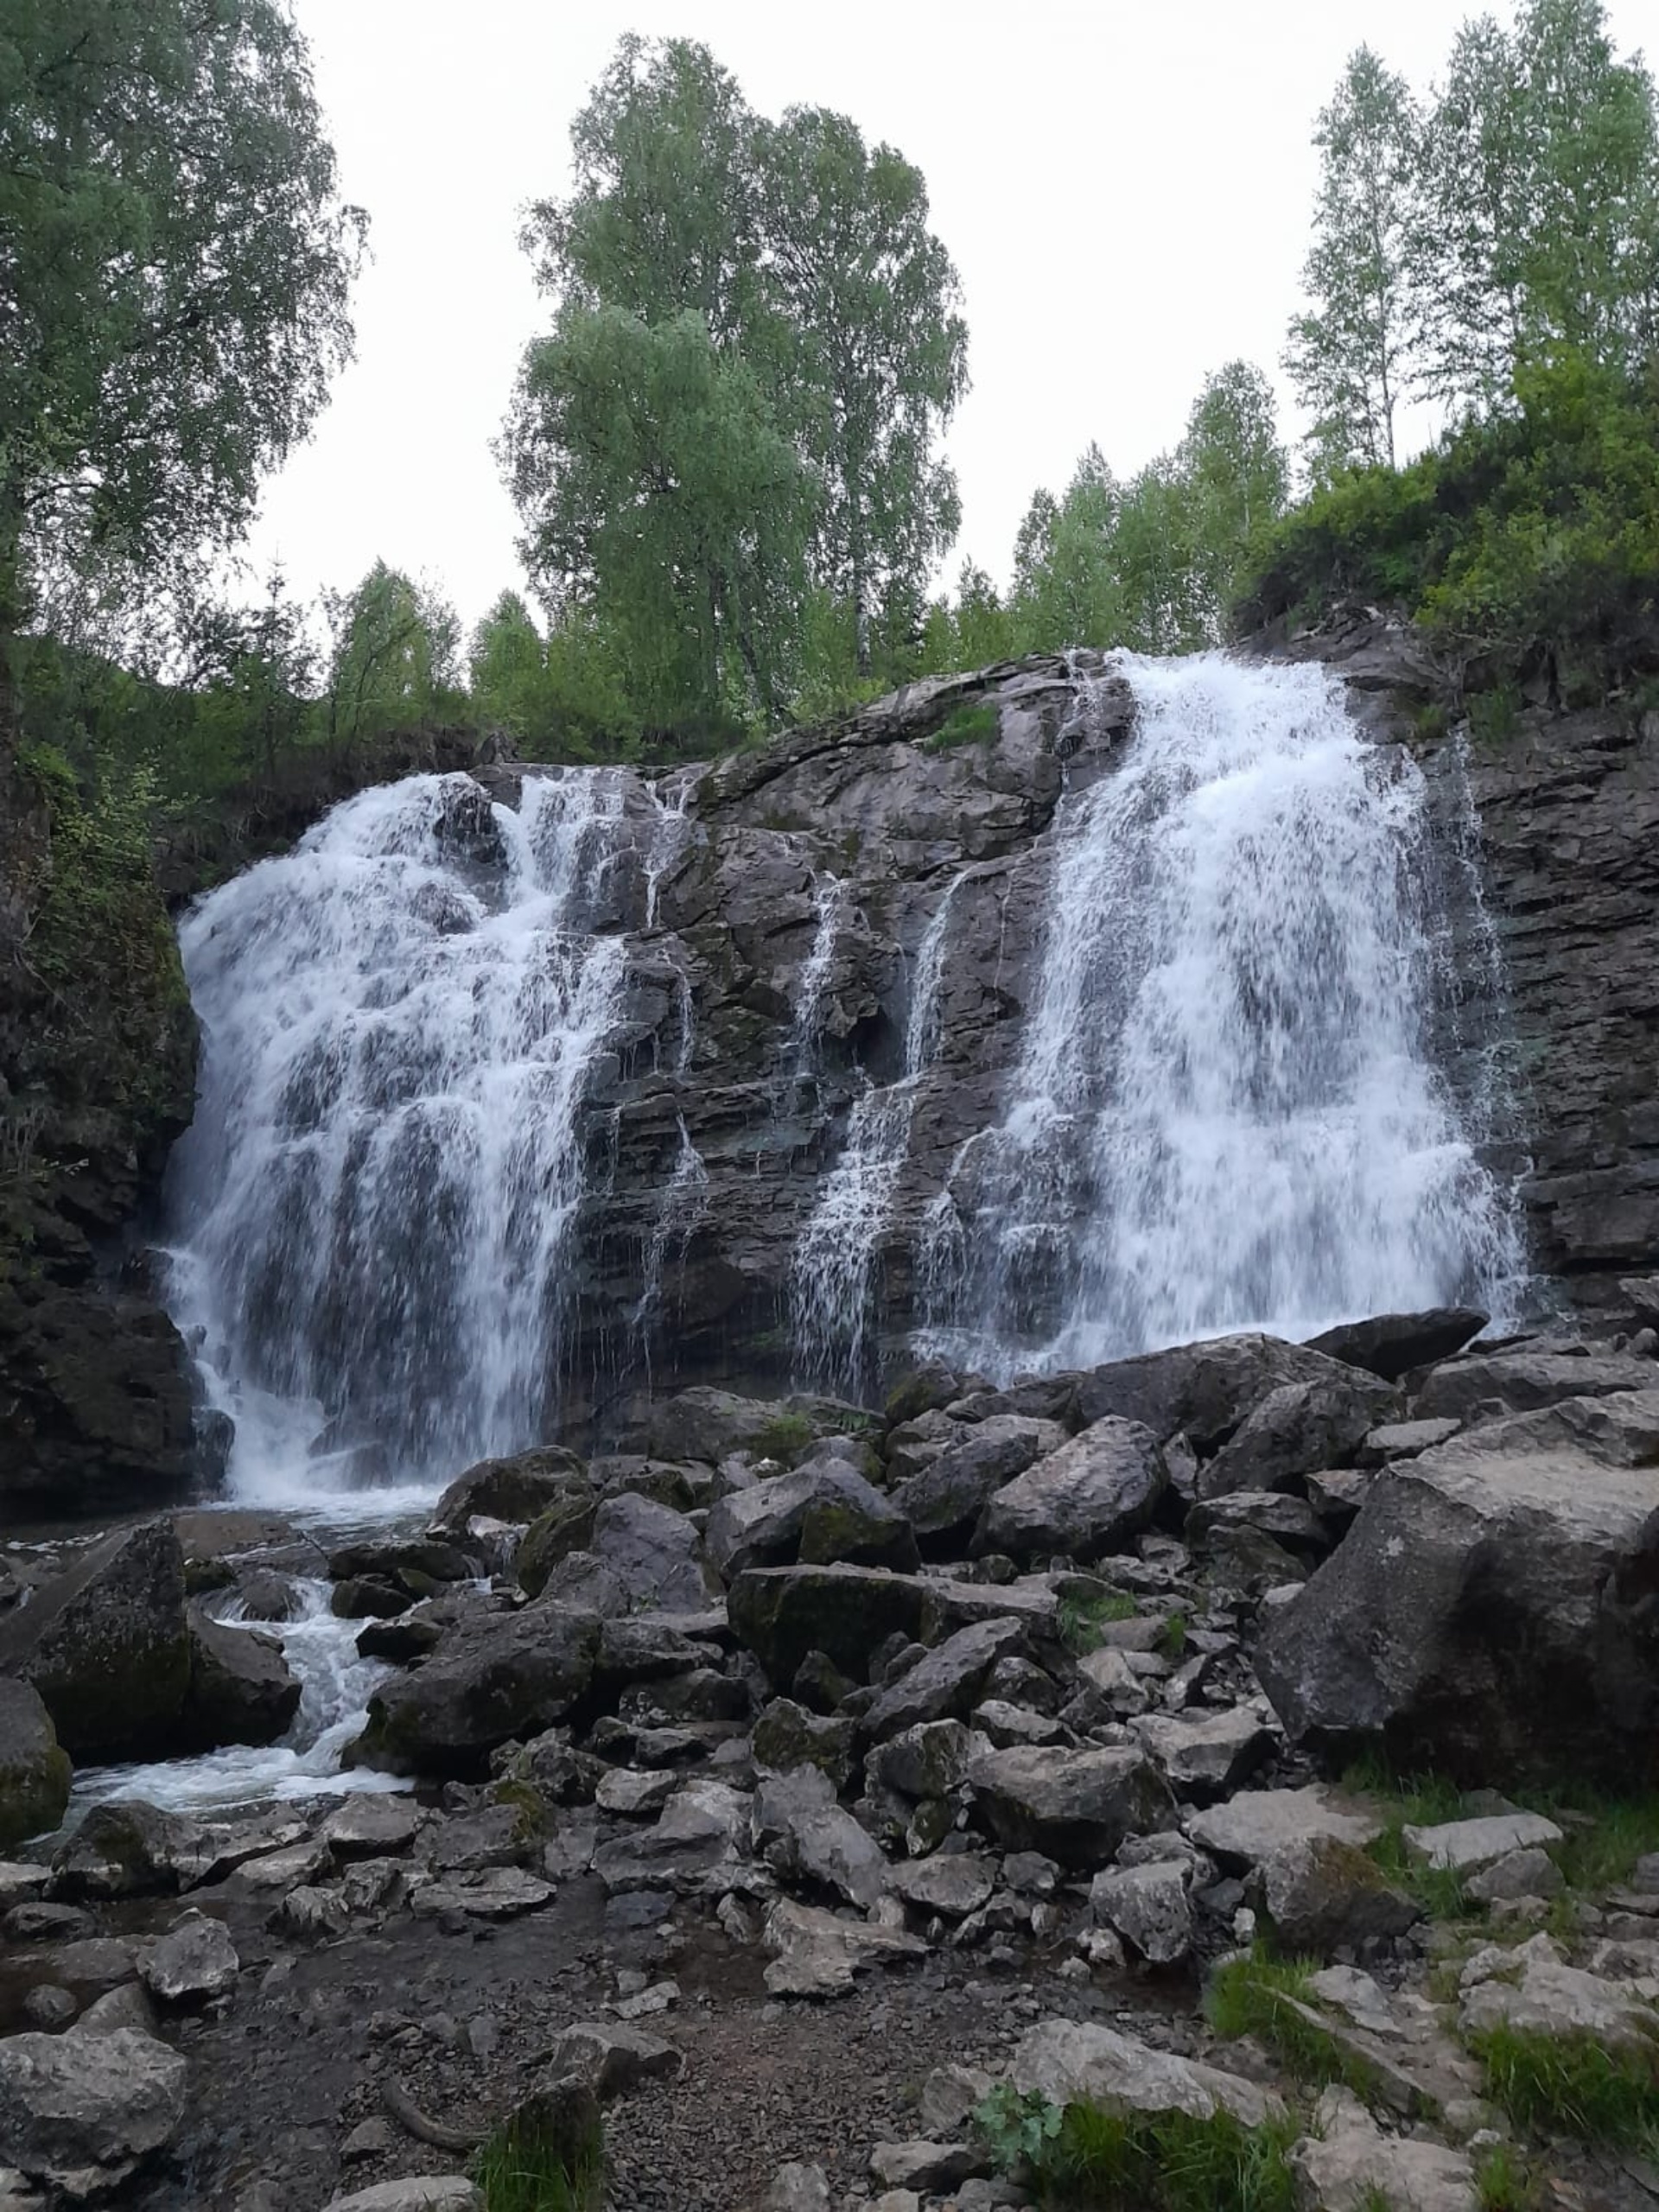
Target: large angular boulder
x: 1074, y: 1806
x: 943, y: 1499
x: 1525, y: 1382
x: 1490, y: 1613
x: 517, y: 1490
x: 1078, y: 2061
x: 81, y: 2111
x: 1087, y: 1498
x: 493, y: 1678
x: 655, y: 1553
x: 822, y: 1512
x: 1391, y: 1344
x: 780, y: 1613
x: 807, y: 1838
x: 35, y: 1772
x: 1298, y: 1429
x: 705, y: 1423
x: 1203, y: 1390
x: 241, y: 1691
x: 948, y: 1683
x: 109, y: 1648
x: 564, y: 1526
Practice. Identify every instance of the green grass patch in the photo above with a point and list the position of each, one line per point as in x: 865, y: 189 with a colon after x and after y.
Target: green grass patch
x: 1081, y: 1619
x: 975, y: 725
x: 1260, y: 1996
x: 1098, y: 2161
x: 1171, y: 1639
x: 1506, y: 2180
x: 1572, y: 2085
x: 549, y: 2157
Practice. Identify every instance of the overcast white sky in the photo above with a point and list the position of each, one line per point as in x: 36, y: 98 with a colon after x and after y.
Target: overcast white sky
x: 1124, y: 187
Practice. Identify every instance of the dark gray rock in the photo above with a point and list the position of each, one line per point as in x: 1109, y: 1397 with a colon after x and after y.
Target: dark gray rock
x: 35, y: 1772
x: 1391, y: 1344
x: 493, y: 1678
x: 1297, y: 1428
x: 782, y: 1613
x: 946, y: 1683
x: 241, y: 1690
x: 823, y: 1513
x: 108, y: 1647
x: 1087, y: 1498
x: 943, y: 1500
x: 1522, y: 1381
x: 84, y: 2110
x: 1320, y: 1896
x: 1488, y: 1613
x: 1074, y: 1806
x: 518, y: 1489
x: 1204, y: 1390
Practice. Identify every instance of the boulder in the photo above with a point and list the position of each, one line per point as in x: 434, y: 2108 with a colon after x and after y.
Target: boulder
x: 1203, y: 1391
x: 709, y: 1424
x: 370, y: 1824
x: 1320, y: 1895
x: 611, y: 2060
x: 1525, y: 1382
x: 82, y: 2111
x: 786, y: 1735
x: 1404, y: 1439
x: 822, y: 1512
x: 929, y: 1761
x: 108, y: 1647
x: 780, y: 1613
x: 951, y: 1884
x: 1467, y: 1846
x: 35, y: 1774
x: 1075, y: 1806
x: 1208, y: 1755
x: 1533, y: 1990
x: 414, y: 2193
x: 1488, y: 1614
x: 563, y: 1527
x: 518, y: 1489
x: 1088, y: 1497
x: 241, y: 1690
x: 806, y: 1838
x: 1297, y: 1428
x: 817, y: 1953
x: 1391, y: 1344
x: 1150, y: 1906
x: 1077, y: 2062
x: 799, y: 2187
x: 1255, y: 1824
x: 1643, y: 1292
x: 943, y: 1500
x: 494, y: 1677
x: 655, y: 1554
x: 947, y: 1683
x: 1346, y: 2163
x: 195, y: 1963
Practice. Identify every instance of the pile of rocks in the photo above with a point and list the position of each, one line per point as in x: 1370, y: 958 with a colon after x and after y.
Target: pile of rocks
x: 1034, y: 1673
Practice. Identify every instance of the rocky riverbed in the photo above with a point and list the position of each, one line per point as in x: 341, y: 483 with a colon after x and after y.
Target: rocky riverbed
x: 788, y: 1782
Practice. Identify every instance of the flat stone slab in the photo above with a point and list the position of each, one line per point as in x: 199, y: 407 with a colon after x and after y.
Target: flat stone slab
x: 1255, y: 1823
x: 497, y: 1895
x: 1075, y: 2061
x: 1467, y: 1846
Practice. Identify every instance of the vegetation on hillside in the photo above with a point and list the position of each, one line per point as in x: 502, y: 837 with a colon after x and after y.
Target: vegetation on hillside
x: 726, y: 446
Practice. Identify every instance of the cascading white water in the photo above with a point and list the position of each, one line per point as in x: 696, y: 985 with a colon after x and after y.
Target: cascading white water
x: 1224, y: 1114
x: 834, y: 1263
x: 801, y: 1050
x: 370, y: 1214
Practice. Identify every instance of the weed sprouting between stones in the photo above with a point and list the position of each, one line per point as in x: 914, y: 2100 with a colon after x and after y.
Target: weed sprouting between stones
x: 1090, y: 2156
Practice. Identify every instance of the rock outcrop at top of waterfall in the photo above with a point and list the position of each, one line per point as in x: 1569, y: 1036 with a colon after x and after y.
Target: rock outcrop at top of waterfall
x: 796, y: 1105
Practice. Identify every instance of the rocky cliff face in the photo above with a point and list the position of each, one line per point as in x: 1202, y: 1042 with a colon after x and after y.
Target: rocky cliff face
x: 1566, y: 820
x: 776, y: 911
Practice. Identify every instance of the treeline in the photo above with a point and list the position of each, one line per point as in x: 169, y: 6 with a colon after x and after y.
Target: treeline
x: 725, y: 447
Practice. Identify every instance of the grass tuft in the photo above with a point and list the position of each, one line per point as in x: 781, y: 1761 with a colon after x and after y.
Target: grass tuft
x: 1081, y: 1619
x: 1259, y: 1996
x: 1099, y: 2160
x: 1505, y: 2181
x: 547, y: 2159
x: 1572, y: 2085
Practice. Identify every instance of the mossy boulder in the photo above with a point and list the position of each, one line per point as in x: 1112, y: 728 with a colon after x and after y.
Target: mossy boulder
x: 35, y: 1772
x: 567, y: 1526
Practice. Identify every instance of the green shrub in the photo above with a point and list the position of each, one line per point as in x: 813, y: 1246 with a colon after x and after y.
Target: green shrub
x: 788, y: 1438
x: 1263, y: 1997
x: 974, y: 725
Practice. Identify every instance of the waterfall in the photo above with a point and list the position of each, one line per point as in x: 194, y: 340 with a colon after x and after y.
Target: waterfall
x: 833, y: 1267
x: 369, y: 1217
x: 801, y: 1050
x: 1223, y: 1113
